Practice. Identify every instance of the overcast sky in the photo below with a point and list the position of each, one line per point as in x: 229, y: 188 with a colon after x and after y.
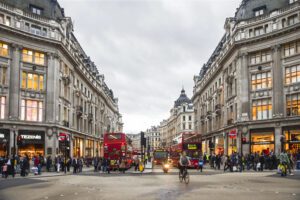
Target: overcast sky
x: 148, y: 50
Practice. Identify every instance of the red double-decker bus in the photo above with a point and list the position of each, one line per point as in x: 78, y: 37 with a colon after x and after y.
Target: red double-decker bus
x: 117, y: 146
x: 191, y: 144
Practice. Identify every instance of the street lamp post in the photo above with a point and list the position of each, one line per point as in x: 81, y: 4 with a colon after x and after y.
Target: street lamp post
x: 65, y: 167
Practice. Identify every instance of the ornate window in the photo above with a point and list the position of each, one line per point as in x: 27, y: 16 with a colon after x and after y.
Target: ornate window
x: 33, y: 57
x: 2, y: 107
x: 3, y: 49
x: 32, y: 81
x: 261, y: 109
x: 3, y: 75
x: 293, y: 105
x: 292, y: 74
x: 260, y: 57
x: 261, y: 81
x: 31, y: 110
x: 289, y: 49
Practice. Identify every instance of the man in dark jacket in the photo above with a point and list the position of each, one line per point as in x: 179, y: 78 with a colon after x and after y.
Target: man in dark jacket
x: 48, y: 163
x: 74, y: 164
x: 262, y: 162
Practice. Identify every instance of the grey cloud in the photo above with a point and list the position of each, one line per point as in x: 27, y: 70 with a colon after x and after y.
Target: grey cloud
x: 148, y: 49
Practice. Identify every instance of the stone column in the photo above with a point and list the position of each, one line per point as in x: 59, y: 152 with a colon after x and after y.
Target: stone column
x: 52, y: 87
x: 278, y: 132
x: 278, y: 97
x: 14, y: 83
x: 225, y: 143
x: 243, y: 86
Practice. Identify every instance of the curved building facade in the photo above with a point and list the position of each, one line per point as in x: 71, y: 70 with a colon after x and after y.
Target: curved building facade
x: 246, y: 96
x: 53, y: 98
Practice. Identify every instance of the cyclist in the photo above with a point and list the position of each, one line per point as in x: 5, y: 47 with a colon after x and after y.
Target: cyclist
x: 184, y: 162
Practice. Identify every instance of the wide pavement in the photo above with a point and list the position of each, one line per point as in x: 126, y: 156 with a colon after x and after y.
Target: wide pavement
x: 153, y: 184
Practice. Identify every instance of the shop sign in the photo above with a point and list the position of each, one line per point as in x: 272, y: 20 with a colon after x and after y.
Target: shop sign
x: 262, y: 143
x: 232, y: 134
x: 31, y: 137
x: 192, y: 146
x: 62, y: 137
x: 294, y: 141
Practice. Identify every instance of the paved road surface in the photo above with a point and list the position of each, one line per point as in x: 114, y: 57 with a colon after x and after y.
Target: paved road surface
x: 208, y: 185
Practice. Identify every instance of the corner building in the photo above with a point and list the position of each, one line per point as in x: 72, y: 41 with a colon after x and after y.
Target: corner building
x: 50, y: 90
x: 247, y: 95
x: 181, y: 120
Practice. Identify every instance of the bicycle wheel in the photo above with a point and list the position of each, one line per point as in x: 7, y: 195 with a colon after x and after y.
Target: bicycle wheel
x: 187, y: 178
x: 180, y: 177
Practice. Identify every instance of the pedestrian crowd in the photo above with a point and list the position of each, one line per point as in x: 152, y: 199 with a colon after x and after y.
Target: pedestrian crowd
x: 24, y: 165
x: 254, y: 161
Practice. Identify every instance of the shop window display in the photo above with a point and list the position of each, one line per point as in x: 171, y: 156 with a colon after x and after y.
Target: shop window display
x: 292, y: 140
x: 232, y: 145
x: 262, y: 142
x: 219, y: 147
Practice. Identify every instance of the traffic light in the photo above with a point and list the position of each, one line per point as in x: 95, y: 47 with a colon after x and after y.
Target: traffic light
x: 19, y: 140
x: 142, y: 138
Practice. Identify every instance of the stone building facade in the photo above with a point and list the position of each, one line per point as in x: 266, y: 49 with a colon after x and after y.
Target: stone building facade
x: 153, y: 138
x: 50, y: 90
x: 247, y: 95
x: 181, y: 120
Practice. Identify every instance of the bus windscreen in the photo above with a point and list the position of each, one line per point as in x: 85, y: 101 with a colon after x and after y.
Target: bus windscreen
x: 160, y: 154
x: 114, y: 136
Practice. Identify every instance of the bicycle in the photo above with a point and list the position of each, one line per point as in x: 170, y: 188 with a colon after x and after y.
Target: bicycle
x: 184, y: 176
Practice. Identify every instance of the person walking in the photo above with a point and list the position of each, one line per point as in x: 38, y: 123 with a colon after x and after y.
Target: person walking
x: 74, y: 164
x: 262, y: 162
x: 108, y: 165
x: 201, y: 163
x: 122, y: 165
x: 5, y: 170
x: 48, y: 163
x: 96, y: 161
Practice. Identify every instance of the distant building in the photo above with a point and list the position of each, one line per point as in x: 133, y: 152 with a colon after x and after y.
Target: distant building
x: 153, y: 138
x: 181, y: 120
x: 136, y: 140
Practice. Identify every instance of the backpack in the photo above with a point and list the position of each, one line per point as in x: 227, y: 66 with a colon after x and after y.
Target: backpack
x: 184, y: 160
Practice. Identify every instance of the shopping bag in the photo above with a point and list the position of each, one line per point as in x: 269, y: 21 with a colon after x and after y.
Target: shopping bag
x: 234, y: 168
x: 258, y: 165
x: 141, y: 167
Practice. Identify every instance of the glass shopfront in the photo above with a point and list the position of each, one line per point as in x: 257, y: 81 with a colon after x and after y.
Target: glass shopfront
x: 204, y: 149
x: 97, y: 149
x: 89, y: 148
x: 232, y: 141
x: 33, y: 143
x: 219, y: 144
x: 77, y: 147
x: 64, y: 144
x: 292, y: 136
x: 262, y: 141
x: 4, y: 142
